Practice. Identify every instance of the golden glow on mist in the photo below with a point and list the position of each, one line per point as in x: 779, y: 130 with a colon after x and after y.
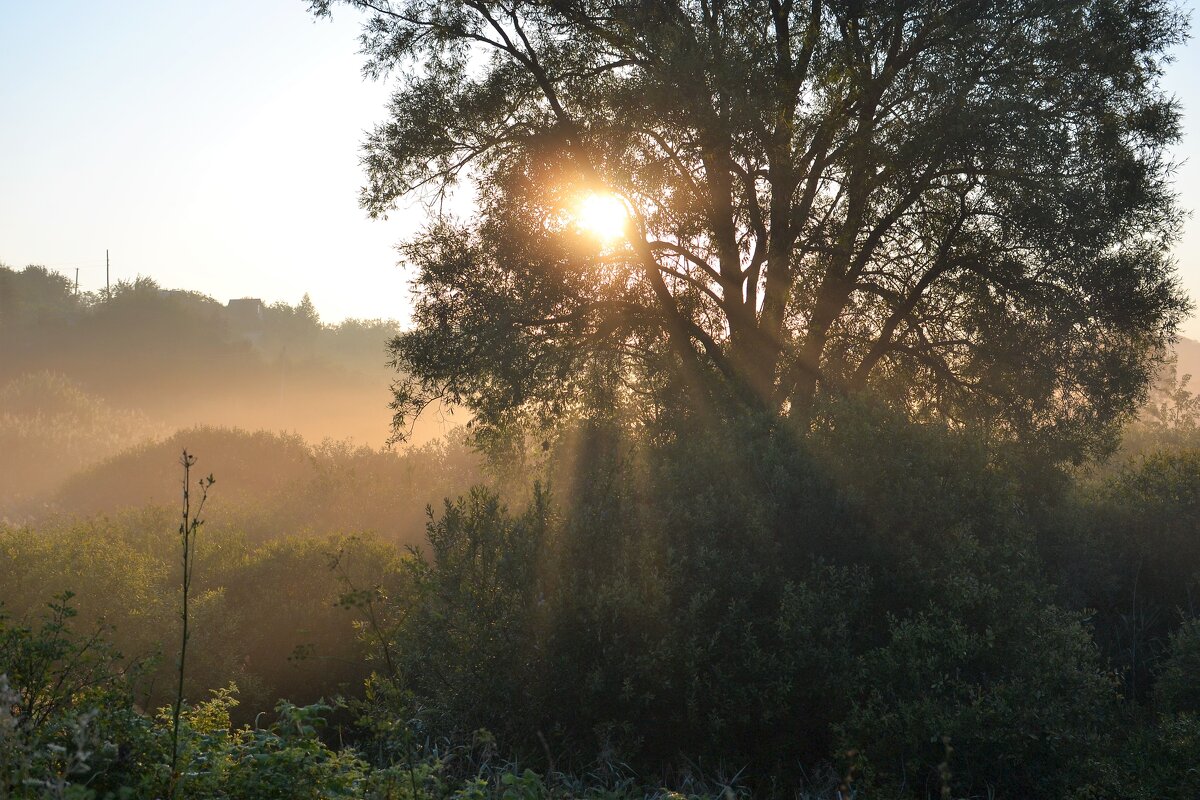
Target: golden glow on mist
x: 602, y: 215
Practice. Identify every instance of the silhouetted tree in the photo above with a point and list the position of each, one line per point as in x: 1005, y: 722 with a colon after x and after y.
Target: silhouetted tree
x: 962, y: 204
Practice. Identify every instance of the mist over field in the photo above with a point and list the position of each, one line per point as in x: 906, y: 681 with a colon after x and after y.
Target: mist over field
x: 98, y: 393
x: 791, y: 400
x: 87, y: 380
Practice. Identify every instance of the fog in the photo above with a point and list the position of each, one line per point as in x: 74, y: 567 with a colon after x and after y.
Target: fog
x: 100, y: 394
x: 128, y: 375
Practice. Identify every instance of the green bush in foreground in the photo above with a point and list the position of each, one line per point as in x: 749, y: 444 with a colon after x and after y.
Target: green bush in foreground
x: 69, y: 729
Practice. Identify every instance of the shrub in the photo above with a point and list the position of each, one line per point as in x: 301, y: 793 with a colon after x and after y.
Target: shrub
x: 1004, y: 700
x: 464, y: 640
x: 265, y: 616
x: 1178, y: 688
x: 731, y: 597
x: 66, y: 717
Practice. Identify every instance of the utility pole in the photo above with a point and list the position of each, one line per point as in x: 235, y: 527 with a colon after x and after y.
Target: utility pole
x: 77, y: 281
x: 107, y: 291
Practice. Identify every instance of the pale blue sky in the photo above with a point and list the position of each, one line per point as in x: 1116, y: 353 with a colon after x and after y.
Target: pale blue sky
x: 214, y: 146
x: 210, y: 145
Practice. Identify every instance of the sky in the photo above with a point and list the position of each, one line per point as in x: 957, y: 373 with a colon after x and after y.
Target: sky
x: 214, y: 146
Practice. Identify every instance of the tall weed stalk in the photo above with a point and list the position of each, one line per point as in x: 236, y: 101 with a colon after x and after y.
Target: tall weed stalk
x: 189, y: 527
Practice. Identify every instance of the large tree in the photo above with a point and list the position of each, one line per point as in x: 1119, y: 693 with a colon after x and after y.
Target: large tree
x: 961, y: 205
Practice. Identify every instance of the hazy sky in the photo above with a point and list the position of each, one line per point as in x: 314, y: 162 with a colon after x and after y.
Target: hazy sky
x: 214, y: 146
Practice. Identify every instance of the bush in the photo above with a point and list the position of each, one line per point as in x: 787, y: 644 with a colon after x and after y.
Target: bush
x: 1178, y: 688
x: 69, y: 729
x: 675, y: 605
x: 462, y: 634
x: 732, y: 598
x: 1004, y: 700
x: 265, y: 616
x: 66, y: 703
x: 1128, y: 545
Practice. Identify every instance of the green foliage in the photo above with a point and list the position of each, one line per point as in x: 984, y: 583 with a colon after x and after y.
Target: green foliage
x: 94, y: 744
x: 65, y: 705
x: 729, y: 596
x: 1178, y: 687
x: 686, y: 604
x: 284, y: 760
x: 465, y: 641
x: 1126, y: 543
x: 265, y: 616
x: 676, y: 601
x: 1170, y: 419
x: 1016, y: 689
x: 1156, y: 759
x: 49, y: 670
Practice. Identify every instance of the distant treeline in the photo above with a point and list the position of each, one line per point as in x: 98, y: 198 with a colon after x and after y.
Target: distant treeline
x: 140, y: 327
x: 183, y: 358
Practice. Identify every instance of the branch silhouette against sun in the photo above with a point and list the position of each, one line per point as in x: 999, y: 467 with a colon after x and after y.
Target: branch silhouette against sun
x: 963, y: 207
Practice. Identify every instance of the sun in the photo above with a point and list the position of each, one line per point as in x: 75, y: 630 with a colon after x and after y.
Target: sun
x: 602, y: 215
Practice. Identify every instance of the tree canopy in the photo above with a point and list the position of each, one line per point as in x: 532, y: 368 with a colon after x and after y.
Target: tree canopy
x: 961, y: 206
